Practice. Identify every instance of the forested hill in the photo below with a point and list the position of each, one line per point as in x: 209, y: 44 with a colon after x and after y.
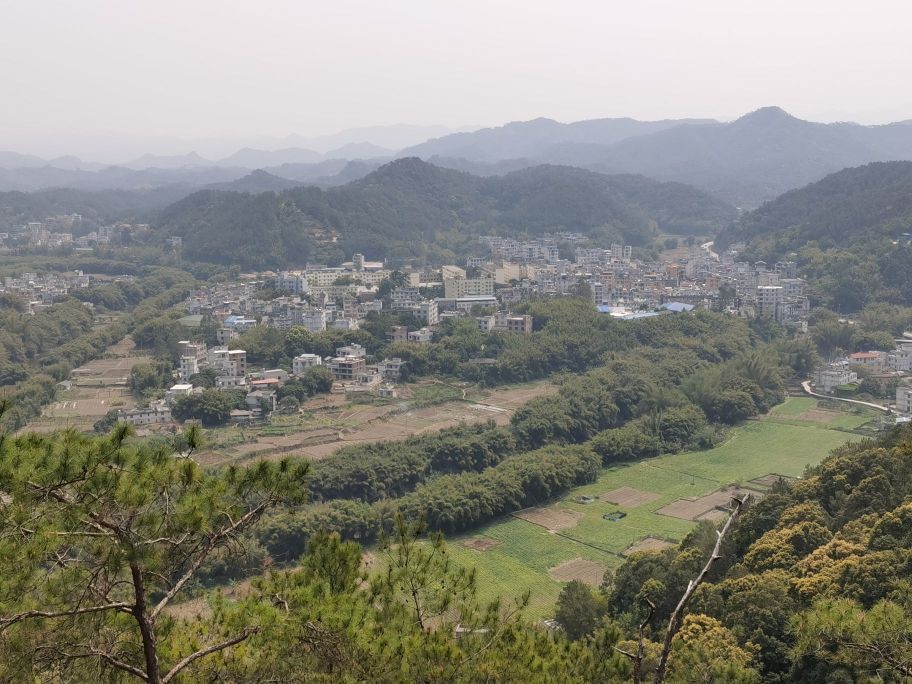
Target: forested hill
x: 847, y: 231
x: 409, y: 208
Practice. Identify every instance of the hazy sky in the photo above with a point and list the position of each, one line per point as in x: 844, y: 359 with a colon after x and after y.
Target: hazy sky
x: 208, y: 68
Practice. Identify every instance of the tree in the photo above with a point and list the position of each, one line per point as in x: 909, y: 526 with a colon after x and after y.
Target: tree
x: 420, y: 577
x: 211, y: 407
x: 841, y: 632
x: 332, y: 561
x: 579, y: 610
x: 100, y: 537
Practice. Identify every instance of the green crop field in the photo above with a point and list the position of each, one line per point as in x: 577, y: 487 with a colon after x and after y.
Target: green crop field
x: 783, y: 443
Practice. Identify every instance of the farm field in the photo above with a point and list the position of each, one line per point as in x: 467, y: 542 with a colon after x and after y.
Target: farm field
x: 96, y: 388
x: 538, y: 549
x: 331, y: 422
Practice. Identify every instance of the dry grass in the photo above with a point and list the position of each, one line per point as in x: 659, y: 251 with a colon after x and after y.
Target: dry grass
x: 629, y: 497
x: 586, y: 571
x: 481, y: 543
x: 551, y: 518
x: 709, y: 507
x: 647, y: 544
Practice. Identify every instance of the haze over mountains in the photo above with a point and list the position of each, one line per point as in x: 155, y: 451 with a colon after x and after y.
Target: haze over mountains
x: 744, y: 162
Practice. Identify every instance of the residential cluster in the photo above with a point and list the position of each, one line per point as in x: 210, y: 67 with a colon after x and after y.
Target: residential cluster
x: 319, y: 298
x: 63, y: 230
x: 625, y: 286
x: 885, y: 368
x: 40, y: 290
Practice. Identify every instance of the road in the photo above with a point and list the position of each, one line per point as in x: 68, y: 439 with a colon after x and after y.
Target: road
x: 807, y: 388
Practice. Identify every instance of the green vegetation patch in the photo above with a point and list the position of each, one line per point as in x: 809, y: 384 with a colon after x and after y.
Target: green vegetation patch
x: 753, y: 450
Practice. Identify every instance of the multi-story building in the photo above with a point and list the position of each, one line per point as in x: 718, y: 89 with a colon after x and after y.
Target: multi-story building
x: 457, y: 288
x: 146, y: 416
x: 346, y: 368
x: 514, y: 324
x: 189, y: 366
x: 769, y: 301
x: 302, y: 362
x: 398, y: 333
x: 904, y: 400
x: 827, y: 379
x: 292, y: 281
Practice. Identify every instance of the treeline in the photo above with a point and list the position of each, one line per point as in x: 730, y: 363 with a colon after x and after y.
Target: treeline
x: 449, y: 503
x: 640, y: 404
x: 569, y: 336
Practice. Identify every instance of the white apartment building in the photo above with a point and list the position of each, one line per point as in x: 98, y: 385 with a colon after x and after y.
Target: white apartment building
x: 147, y: 416
x: 827, y: 379
x: 302, y: 362
x: 457, y: 288
x: 189, y: 366
x: 292, y: 281
x: 904, y: 400
x: 769, y: 301
x: 314, y: 319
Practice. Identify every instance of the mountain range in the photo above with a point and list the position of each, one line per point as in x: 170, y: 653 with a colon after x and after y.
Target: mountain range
x: 745, y: 162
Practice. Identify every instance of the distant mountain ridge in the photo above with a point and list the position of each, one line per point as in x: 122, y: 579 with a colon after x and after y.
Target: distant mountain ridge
x: 745, y: 162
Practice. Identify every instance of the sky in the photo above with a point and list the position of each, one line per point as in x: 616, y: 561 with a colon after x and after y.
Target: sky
x: 168, y: 74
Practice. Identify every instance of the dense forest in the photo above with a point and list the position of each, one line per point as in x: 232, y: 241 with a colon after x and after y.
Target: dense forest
x: 848, y: 231
x: 409, y: 208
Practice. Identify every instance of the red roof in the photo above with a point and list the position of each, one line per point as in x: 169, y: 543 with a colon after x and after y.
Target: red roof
x: 865, y: 355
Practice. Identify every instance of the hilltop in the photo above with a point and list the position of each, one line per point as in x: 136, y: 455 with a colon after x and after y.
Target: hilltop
x: 410, y: 209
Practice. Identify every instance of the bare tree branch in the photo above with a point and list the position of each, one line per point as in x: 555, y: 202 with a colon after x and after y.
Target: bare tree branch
x: 677, y: 617
x: 6, y: 622
x: 204, y: 554
x: 108, y: 658
x: 174, y: 671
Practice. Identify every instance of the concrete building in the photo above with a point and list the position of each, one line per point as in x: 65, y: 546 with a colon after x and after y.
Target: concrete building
x: 515, y: 324
x: 189, y: 366
x: 457, y: 288
x: 391, y: 369
x: 870, y: 360
x: 175, y: 392
x: 485, y: 323
x: 904, y: 400
x: 292, y: 281
x: 148, y: 416
x: 346, y: 368
x: 352, y: 350
x: 420, y: 336
x: 398, y: 333
x: 302, y: 362
x: 827, y: 379
x: 769, y: 301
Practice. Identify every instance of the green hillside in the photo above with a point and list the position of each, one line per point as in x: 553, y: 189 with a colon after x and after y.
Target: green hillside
x: 411, y: 209
x: 847, y: 232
